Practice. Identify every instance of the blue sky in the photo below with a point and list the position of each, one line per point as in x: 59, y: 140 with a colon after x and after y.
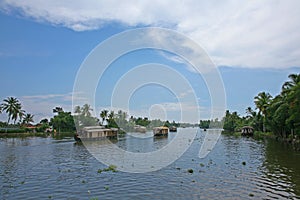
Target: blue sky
x: 43, y: 46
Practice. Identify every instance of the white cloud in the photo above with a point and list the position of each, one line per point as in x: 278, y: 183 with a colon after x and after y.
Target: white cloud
x: 234, y: 33
x: 41, y: 105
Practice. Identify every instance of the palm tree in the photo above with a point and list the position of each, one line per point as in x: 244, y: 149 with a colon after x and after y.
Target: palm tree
x: 86, y: 108
x: 13, y: 108
x: 21, y: 114
x: 293, y: 100
x: 28, y: 118
x: 295, y: 79
x: 58, y: 110
x: 77, y: 110
x: 262, y: 101
x: 250, y: 113
x: 103, y: 115
x: 111, y: 115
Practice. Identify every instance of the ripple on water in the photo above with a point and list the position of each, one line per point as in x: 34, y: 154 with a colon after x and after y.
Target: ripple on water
x: 42, y: 168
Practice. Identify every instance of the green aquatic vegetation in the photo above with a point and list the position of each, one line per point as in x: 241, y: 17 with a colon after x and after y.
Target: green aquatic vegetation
x: 111, y: 168
x: 106, y: 187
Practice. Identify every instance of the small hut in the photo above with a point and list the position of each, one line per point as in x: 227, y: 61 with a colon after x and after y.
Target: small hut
x: 160, y: 131
x: 247, y: 131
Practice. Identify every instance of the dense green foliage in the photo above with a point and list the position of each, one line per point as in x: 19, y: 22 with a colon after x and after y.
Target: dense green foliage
x: 63, y: 121
x: 279, y: 115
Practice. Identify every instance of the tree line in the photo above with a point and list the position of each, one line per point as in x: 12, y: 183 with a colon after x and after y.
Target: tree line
x: 64, y: 121
x: 12, y: 106
x: 279, y: 115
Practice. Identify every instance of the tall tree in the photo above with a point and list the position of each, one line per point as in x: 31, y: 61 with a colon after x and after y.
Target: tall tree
x: 103, y: 115
x: 12, y: 107
x: 294, y: 80
x: 85, y: 110
x: 63, y: 121
x: 262, y: 101
x: 77, y: 110
x: 58, y: 110
x: 28, y: 118
x: 293, y: 100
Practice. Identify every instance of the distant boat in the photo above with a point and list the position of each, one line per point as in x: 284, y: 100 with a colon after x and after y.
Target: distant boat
x: 139, y: 129
x: 173, y: 129
x: 247, y: 131
x: 160, y: 131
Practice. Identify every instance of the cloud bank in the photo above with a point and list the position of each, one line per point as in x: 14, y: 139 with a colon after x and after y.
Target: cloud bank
x: 256, y: 34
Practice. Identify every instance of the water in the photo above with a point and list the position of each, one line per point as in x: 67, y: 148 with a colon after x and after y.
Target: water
x: 44, y: 168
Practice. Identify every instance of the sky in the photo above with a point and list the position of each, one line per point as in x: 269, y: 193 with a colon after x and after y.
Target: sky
x: 254, y: 46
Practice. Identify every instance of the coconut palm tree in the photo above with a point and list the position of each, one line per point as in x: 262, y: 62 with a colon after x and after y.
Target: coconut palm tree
x: 262, y: 101
x: 294, y: 80
x: 28, y: 118
x: 111, y: 115
x: 103, y: 115
x: 86, y: 108
x: 13, y: 108
x: 77, y: 110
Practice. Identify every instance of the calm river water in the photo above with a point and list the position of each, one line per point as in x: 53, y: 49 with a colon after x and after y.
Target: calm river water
x: 237, y: 168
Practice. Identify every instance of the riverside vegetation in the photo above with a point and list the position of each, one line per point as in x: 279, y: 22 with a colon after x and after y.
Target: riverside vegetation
x: 277, y: 116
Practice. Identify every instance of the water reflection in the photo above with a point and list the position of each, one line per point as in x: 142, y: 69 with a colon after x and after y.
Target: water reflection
x: 237, y: 168
x: 282, y: 168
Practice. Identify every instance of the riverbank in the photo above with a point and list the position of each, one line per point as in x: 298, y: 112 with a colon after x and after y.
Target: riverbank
x: 22, y: 135
x: 259, y: 135
x: 37, y: 134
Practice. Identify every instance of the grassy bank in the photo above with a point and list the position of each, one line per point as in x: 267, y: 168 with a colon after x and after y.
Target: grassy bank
x: 259, y: 135
x: 37, y: 134
x: 23, y: 135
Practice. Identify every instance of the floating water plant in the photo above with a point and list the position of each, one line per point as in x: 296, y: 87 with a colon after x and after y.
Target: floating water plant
x: 111, y: 168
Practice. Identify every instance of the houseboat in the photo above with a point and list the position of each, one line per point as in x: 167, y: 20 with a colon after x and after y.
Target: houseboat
x: 173, y: 129
x: 97, y: 132
x: 139, y: 129
x: 247, y: 131
x: 160, y: 131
